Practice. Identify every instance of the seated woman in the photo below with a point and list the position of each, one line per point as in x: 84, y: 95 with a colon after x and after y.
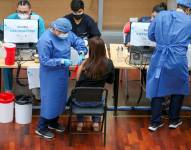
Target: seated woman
x: 95, y: 71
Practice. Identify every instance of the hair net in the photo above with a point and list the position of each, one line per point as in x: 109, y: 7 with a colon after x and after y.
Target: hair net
x: 62, y: 24
x: 186, y: 3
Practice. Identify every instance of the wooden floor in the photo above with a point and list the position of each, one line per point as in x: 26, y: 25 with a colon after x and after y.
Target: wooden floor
x: 123, y: 133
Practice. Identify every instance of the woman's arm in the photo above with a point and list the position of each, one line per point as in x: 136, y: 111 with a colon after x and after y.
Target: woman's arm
x: 79, y: 71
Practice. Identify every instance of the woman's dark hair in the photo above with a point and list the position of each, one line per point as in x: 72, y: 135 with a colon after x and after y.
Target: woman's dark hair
x: 96, y: 65
x: 76, y: 5
x: 160, y: 7
x: 23, y: 3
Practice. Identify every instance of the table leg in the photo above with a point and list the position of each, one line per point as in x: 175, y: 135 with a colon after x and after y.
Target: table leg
x: 115, y: 90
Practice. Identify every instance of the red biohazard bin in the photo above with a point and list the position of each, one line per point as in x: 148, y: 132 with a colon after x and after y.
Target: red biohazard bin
x: 6, y: 107
x: 10, y: 50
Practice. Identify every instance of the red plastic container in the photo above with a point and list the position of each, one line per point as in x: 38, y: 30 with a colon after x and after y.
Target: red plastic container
x: 6, y: 107
x: 6, y: 97
x: 10, y: 50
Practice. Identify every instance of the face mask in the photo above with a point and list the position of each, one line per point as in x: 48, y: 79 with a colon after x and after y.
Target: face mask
x: 78, y: 17
x: 23, y: 16
x: 63, y: 36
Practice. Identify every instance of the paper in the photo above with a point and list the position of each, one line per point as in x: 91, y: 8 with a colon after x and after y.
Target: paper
x: 20, y: 31
x: 139, y: 34
x: 33, y: 77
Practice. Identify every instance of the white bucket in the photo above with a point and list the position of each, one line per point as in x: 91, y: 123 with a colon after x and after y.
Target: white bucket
x: 23, y: 113
x: 6, y: 112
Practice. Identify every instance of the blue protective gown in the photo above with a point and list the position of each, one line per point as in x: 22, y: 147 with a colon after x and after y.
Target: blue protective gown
x: 168, y: 70
x: 53, y: 74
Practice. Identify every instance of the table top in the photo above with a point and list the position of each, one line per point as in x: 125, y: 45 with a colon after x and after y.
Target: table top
x: 120, y: 60
x: 120, y: 56
x: 25, y: 64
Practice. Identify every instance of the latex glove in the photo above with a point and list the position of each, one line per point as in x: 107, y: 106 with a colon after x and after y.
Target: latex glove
x: 66, y: 62
x: 81, y: 58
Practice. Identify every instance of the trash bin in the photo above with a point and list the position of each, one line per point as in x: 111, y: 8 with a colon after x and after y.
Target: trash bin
x: 23, y: 109
x: 6, y: 107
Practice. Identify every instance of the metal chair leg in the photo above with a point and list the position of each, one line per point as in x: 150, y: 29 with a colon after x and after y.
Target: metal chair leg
x: 105, y: 122
x: 102, y: 123
x: 69, y: 119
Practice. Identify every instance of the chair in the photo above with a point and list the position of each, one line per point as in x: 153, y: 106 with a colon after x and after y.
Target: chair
x: 88, y: 95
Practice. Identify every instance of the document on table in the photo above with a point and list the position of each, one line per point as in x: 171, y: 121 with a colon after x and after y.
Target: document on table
x: 33, y: 77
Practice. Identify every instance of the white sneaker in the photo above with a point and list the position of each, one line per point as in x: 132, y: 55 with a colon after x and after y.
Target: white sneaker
x: 175, y: 124
x: 154, y: 127
x: 79, y: 126
x: 95, y: 126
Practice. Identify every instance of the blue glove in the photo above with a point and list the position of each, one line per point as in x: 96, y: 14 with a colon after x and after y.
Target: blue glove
x: 81, y: 58
x: 66, y: 62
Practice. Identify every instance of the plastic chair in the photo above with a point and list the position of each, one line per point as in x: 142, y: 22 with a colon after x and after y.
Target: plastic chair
x: 88, y: 95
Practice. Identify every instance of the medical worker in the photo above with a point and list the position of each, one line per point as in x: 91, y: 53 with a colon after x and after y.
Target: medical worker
x: 82, y: 24
x: 54, y: 54
x: 168, y: 70
x: 155, y: 11
x: 24, y: 11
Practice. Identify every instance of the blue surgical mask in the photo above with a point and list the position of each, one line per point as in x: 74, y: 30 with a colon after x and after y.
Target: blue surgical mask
x: 63, y: 36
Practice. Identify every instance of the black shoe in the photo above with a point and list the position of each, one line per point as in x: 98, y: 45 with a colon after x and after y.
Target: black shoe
x: 154, y: 127
x: 175, y: 124
x: 57, y: 128
x: 45, y: 134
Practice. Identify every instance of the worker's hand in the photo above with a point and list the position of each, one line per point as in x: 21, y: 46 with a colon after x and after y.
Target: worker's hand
x: 81, y: 58
x: 66, y: 62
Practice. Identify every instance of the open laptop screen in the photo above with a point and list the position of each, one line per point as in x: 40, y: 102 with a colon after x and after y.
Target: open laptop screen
x: 20, y: 31
x: 139, y: 34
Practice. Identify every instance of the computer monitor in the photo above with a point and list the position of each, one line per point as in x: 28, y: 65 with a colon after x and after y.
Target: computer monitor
x: 21, y: 32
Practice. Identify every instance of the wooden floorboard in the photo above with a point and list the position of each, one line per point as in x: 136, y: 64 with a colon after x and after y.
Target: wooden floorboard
x: 123, y: 133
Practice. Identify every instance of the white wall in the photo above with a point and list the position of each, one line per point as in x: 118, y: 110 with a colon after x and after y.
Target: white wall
x: 171, y: 4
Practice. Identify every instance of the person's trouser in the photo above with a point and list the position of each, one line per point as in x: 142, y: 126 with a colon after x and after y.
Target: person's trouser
x: 95, y: 118
x: 174, y: 108
x: 36, y: 93
x: 44, y: 123
x: 8, y: 79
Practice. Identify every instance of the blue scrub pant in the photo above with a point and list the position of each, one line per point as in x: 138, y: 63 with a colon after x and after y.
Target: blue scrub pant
x: 8, y: 79
x: 174, y: 108
x: 44, y: 123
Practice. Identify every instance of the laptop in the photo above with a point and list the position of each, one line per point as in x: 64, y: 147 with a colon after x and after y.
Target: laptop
x: 23, y: 33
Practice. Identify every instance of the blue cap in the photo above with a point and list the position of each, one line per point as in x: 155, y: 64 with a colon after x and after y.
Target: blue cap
x: 62, y: 24
x: 186, y: 3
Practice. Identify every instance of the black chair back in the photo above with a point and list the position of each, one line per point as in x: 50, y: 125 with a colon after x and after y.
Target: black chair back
x: 89, y: 94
